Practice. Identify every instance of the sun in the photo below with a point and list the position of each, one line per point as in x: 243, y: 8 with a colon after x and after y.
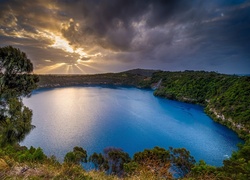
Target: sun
x: 61, y: 43
x: 79, y: 60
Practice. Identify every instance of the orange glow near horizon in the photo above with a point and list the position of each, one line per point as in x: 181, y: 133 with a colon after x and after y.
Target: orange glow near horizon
x: 74, y: 66
x: 68, y: 68
x: 59, y: 42
x: 80, y: 69
x: 87, y: 65
x: 49, y: 68
x: 78, y: 58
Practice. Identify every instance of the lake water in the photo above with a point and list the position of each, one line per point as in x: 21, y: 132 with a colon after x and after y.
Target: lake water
x: 129, y: 118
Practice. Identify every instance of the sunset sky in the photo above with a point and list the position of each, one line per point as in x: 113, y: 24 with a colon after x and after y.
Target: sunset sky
x: 96, y: 36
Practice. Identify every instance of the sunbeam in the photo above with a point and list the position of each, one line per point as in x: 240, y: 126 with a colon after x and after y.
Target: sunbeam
x: 80, y: 69
x: 49, y: 68
x: 86, y: 65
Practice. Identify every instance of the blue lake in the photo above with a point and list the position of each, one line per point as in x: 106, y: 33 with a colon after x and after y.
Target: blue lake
x: 129, y: 118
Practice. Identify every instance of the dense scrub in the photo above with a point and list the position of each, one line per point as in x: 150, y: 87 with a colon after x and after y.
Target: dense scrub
x: 158, y: 163
x: 226, y: 97
x: 123, y: 79
x: 236, y: 167
x: 18, y: 162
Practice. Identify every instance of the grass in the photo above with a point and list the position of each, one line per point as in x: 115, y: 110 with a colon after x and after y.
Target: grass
x: 11, y: 169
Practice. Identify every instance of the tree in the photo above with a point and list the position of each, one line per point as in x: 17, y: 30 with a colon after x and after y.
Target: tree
x: 15, y: 73
x: 116, y: 159
x: 16, y: 123
x: 165, y: 163
x: 182, y: 161
x: 79, y: 155
x: 99, y: 161
x: 203, y: 170
x: 238, y: 166
x: 16, y: 81
x: 156, y: 160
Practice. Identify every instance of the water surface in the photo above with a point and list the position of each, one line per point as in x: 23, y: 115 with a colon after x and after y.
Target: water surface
x: 128, y: 118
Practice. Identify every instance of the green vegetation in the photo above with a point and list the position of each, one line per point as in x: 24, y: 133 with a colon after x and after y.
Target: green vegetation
x: 128, y: 78
x: 166, y: 163
x: 236, y: 167
x: 21, y: 162
x: 79, y: 155
x: 226, y: 97
x: 18, y: 162
x: 16, y: 81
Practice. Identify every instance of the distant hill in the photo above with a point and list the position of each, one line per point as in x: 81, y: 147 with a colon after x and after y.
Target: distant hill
x: 142, y: 72
x: 226, y: 98
x: 127, y: 78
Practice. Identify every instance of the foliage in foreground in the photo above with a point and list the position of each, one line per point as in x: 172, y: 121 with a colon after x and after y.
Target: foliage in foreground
x: 16, y: 81
x: 158, y: 163
x: 19, y: 162
x: 154, y: 163
x: 236, y: 167
x: 226, y: 98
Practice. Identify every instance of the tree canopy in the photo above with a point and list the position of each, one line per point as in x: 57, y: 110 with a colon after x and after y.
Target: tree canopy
x: 16, y: 81
x: 226, y: 97
x: 77, y: 156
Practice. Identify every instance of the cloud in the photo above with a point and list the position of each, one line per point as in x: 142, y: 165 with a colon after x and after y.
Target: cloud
x: 118, y: 34
x: 110, y: 24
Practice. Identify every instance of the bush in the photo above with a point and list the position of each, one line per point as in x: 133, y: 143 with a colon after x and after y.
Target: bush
x: 79, y: 155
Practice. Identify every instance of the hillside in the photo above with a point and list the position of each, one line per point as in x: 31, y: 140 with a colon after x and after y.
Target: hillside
x: 226, y: 97
x: 127, y: 78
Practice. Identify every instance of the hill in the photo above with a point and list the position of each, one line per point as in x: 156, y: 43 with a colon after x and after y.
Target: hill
x: 226, y: 98
x: 127, y: 78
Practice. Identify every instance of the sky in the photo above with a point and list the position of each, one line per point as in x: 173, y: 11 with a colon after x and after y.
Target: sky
x: 98, y: 36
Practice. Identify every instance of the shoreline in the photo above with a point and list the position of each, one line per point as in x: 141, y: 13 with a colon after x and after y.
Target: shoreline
x: 204, y: 106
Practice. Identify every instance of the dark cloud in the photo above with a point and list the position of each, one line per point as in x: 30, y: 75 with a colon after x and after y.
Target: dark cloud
x: 70, y: 31
x: 165, y: 34
x: 111, y: 22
